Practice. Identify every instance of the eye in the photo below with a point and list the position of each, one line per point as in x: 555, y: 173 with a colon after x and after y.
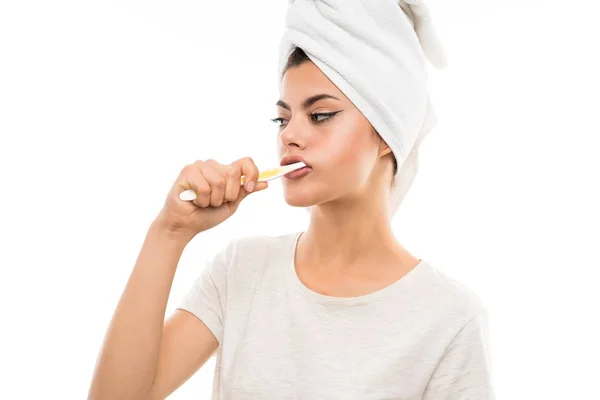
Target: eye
x: 280, y: 120
x: 319, y: 118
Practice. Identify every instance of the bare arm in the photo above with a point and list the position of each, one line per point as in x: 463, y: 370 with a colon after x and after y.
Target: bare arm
x: 185, y: 347
x: 140, y: 358
x: 143, y: 357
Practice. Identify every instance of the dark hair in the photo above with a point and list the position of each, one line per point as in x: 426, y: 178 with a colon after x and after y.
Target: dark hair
x: 296, y: 58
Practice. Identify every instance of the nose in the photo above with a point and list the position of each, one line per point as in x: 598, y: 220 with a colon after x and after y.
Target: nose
x: 293, y: 135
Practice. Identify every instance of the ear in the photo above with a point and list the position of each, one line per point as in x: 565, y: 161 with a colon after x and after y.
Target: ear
x: 384, y: 149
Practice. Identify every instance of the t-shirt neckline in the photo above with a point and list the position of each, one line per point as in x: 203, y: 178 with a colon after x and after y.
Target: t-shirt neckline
x: 365, y: 299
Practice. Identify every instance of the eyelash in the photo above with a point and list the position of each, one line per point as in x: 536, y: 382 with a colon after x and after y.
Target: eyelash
x: 329, y: 115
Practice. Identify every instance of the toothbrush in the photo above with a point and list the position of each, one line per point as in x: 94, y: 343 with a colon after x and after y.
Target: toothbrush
x: 263, y: 176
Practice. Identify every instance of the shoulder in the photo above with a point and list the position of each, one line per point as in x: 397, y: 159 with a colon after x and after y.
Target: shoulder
x: 240, y: 267
x: 250, y: 255
x: 448, y: 298
x: 261, y: 246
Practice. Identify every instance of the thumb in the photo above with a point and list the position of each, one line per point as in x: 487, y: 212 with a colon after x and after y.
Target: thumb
x: 259, y: 186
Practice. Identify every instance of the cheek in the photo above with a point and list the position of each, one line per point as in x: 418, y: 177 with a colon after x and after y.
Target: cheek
x: 351, y: 154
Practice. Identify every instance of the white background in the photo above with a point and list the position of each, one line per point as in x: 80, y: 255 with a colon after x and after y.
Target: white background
x: 102, y: 103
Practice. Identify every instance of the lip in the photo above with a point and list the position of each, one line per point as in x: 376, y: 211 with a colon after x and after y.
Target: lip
x: 293, y: 159
x: 297, y: 174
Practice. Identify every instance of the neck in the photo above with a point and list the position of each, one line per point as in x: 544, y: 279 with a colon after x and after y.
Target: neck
x: 349, y: 232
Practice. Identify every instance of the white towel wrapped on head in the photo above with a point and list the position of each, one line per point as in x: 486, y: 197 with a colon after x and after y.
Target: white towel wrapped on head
x: 375, y: 52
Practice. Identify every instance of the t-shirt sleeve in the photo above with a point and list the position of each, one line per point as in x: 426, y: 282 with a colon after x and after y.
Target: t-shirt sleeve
x: 464, y: 372
x: 206, y: 299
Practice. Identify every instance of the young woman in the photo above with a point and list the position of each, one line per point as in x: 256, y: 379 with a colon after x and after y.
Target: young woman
x: 339, y: 311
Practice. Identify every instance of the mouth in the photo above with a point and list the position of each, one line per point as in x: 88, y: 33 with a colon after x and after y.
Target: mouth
x: 297, y: 174
x: 293, y: 159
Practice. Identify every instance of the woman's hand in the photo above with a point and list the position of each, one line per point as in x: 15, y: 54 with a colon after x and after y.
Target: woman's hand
x: 218, y: 192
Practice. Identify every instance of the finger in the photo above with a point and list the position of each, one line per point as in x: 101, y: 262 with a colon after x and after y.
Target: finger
x: 232, y: 182
x: 250, y: 172
x: 191, y: 178
x: 244, y: 193
x: 202, y: 191
x: 260, y: 186
x: 216, y: 180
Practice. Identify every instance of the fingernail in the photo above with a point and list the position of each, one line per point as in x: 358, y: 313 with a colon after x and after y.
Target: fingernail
x: 250, y: 186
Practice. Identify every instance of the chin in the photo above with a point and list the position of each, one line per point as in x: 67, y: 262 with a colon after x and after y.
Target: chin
x: 308, y: 195
x: 301, y: 196
x: 299, y: 200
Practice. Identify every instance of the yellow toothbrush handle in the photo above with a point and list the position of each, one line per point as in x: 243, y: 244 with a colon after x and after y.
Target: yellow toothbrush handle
x: 264, y: 175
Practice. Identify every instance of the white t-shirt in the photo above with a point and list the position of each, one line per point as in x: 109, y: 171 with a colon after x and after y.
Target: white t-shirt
x: 422, y: 337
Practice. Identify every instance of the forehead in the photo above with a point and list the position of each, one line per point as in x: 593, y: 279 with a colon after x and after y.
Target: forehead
x: 306, y: 80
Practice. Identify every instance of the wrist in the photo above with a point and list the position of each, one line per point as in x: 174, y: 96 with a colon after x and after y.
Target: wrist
x: 170, y: 233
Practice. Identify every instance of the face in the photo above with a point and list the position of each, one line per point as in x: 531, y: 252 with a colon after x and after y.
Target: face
x: 319, y: 124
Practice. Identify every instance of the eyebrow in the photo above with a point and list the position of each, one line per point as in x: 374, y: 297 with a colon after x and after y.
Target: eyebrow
x: 308, y: 102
